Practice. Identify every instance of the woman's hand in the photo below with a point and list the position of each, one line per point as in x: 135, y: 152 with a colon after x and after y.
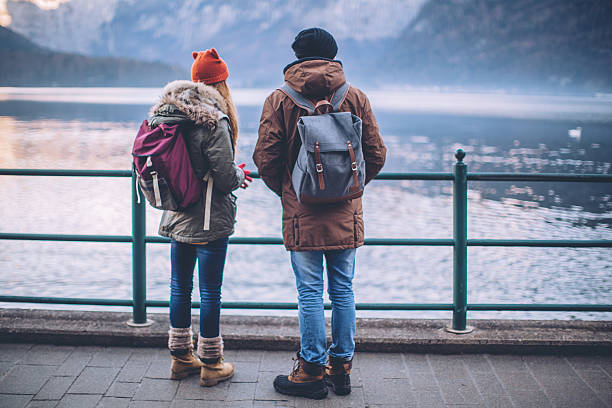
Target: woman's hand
x: 247, y: 178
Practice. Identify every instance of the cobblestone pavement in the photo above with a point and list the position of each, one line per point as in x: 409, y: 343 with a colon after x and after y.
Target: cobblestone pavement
x: 81, y: 377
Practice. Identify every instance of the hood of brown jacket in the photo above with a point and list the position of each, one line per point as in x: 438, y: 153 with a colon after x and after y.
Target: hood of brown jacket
x: 315, y: 77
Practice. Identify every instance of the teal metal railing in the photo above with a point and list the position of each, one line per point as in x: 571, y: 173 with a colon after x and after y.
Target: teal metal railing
x: 459, y: 306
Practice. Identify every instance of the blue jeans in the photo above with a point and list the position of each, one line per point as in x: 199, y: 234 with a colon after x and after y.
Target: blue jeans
x: 308, y: 270
x: 211, y: 260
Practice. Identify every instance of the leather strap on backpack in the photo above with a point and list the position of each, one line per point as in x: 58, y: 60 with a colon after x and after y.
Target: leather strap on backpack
x: 355, y: 186
x: 319, y: 165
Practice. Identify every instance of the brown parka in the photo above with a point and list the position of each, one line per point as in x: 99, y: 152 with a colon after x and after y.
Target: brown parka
x: 307, y: 227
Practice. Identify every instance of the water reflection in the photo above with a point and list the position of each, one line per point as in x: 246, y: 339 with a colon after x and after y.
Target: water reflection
x: 89, y: 136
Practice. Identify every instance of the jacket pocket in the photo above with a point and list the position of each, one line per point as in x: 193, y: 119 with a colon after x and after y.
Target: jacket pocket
x: 296, y: 231
x: 358, y: 227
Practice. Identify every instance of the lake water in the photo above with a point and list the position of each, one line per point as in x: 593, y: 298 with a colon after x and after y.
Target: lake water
x: 76, y: 128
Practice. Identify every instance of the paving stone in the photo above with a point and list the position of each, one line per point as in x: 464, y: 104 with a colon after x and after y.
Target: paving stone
x: 310, y: 403
x: 426, y: 390
x: 265, y: 390
x: 55, y: 388
x: 13, y: 352
x: 121, y: 389
x: 517, y: 380
x: 549, y: 365
x: 5, y: 366
x: 477, y: 363
x: 354, y: 400
x: 110, y: 357
x: 272, y: 404
x: 245, y: 355
x: 507, y: 362
x: 25, y: 379
x: 600, y: 382
x: 183, y: 403
x: 94, y: 380
x: 135, y: 371
x: 44, y: 354
x: 381, y: 365
x: 459, y: 390
x: 425, y: 399
x: 388, y: 391
x: 279, y: 362
x: 159, y: 369
x: 530, y: 399
x: 156, y: 390
x: 225, y: 404
x: 569, y: 391
x: 145, y: 354
x: 75, y: 363
x: 498, y: 401
x: 488, y: 384
x: 149, y: 404
x: 79, y: 401
x: 245, y: 372
x: 42, y: 404
x: 14, y: 401
x: 190, y: 389
x: 584, y: 362
x: 241, y: 391
x: 416, y: 362
x: 113, y: 402
x: 445, y: 363
x: 605, y: 362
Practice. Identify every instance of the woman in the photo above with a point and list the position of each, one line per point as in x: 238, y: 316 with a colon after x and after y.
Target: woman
x: 204, y: 109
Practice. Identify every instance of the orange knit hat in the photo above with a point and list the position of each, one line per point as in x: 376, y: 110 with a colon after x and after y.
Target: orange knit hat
x: 208, y: 67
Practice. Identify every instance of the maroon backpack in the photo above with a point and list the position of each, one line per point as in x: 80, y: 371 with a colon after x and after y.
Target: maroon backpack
x: 164, y: 169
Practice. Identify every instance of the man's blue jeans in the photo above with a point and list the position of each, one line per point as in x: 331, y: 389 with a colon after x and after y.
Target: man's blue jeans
x: 211, y: 260
x: 308, y: 270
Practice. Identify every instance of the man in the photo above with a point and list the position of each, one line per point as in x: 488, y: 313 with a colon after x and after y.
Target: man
x: 314, y: 232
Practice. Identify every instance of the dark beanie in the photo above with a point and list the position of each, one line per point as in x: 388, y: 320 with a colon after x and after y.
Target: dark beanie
x: 314, y: 42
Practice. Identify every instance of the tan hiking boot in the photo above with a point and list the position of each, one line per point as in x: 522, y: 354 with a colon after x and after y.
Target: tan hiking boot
x: 212, y: 373
x: 184, y: 365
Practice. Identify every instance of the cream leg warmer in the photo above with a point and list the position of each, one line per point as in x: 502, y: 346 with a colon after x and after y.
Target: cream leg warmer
x: 180, y: 339
x: 210, y: 348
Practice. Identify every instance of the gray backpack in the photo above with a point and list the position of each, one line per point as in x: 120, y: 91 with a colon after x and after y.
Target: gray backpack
x: 330, y: 166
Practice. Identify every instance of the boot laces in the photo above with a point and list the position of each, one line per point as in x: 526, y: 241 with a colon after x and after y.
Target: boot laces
x: 296, y: 366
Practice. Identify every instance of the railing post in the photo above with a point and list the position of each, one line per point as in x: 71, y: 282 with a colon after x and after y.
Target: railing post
x: 460, y: 248
x: 139, y: 271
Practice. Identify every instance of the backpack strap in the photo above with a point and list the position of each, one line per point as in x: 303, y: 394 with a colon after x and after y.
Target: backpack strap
x: 339, y: 96
x: 297, y: 98
x: 300, y: 100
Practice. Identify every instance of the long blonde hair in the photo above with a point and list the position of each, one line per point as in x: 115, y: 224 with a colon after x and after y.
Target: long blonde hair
x: 224, y: 90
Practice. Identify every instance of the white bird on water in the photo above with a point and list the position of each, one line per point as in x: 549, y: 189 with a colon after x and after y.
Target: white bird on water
x: 575, y: 133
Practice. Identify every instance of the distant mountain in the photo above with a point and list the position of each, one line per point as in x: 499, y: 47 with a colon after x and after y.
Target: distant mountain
x: 23, y: 63
x: 541, y: 45
x: 535, y: 44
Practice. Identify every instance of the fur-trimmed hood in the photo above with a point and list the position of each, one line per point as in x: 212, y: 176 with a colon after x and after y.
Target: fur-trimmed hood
x: 199, y: 102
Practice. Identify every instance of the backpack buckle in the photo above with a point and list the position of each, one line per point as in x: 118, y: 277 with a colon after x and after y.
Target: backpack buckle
x: 319, y: 167
x: 354, y: 166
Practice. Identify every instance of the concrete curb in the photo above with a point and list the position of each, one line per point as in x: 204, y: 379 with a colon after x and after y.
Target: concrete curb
x: 282, y: 333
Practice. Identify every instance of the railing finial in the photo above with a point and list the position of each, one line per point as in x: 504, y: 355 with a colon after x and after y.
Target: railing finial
x: 459, y: 155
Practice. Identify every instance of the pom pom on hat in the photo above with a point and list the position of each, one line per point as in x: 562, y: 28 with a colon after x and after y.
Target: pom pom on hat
x: 315, y: 42
x: 208, y: 67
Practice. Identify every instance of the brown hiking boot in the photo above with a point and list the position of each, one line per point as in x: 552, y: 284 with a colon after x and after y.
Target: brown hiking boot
x: 184, y: 365
x: 337, y: 375
x: 215, y: 371
x: 306, y: 380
